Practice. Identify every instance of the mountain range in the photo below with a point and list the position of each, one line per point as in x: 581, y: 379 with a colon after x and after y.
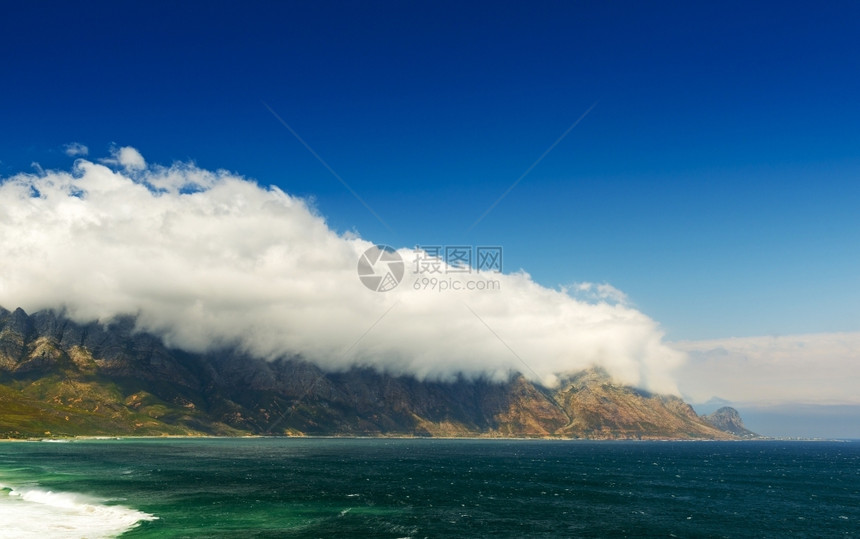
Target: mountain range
x: 60, y: 378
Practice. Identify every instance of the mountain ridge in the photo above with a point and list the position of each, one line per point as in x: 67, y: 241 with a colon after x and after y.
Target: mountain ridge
x: 60, y: 378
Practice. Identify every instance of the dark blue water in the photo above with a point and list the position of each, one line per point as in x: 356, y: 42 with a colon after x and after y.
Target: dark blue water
x: 457, y: 488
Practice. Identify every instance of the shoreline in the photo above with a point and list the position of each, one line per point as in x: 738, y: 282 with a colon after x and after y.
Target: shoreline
x: 358, y: 437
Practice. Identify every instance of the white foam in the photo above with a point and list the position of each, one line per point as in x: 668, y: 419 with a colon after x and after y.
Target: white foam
x: 33, y: 512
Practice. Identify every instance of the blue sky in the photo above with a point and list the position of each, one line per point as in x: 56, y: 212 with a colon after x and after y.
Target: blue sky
x: 714, y: 182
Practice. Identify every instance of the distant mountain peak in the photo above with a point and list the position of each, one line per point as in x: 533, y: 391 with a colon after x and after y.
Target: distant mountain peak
x: 729, y: 420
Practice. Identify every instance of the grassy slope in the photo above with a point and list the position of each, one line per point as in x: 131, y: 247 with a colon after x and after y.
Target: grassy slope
x: 57, y: 405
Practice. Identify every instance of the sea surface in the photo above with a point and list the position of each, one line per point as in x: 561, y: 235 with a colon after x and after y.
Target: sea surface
x: 321, y: 487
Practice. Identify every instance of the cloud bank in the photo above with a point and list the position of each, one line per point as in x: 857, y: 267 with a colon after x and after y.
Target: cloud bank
x: 815, y: 369
x: 210, y: 259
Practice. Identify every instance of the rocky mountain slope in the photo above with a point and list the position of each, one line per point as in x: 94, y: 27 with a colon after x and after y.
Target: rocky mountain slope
x: 58, y: 378
x: 729, y: 420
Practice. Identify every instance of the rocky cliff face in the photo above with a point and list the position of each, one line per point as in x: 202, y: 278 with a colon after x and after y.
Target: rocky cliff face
x: 59, y: 378
x: 729, y: 420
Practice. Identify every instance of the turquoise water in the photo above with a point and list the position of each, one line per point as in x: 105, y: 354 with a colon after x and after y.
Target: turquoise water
x: 428, y: 488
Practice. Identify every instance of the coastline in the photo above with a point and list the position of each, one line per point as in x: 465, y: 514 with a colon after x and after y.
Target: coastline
x: 465, y: 438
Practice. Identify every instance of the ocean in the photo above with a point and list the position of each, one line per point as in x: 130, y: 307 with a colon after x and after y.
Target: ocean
x: 324, y: 487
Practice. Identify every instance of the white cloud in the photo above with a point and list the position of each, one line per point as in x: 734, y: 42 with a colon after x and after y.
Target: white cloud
x: 127, y: 157
x: 76, y: 149
x: 595, y: 292
x: 208, y: 259
x: 763, y: 371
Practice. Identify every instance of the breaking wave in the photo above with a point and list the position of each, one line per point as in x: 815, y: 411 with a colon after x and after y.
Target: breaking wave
x: 34, y: 512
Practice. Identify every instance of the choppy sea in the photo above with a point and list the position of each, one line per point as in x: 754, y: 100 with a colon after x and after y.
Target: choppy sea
x: 320, y: 487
